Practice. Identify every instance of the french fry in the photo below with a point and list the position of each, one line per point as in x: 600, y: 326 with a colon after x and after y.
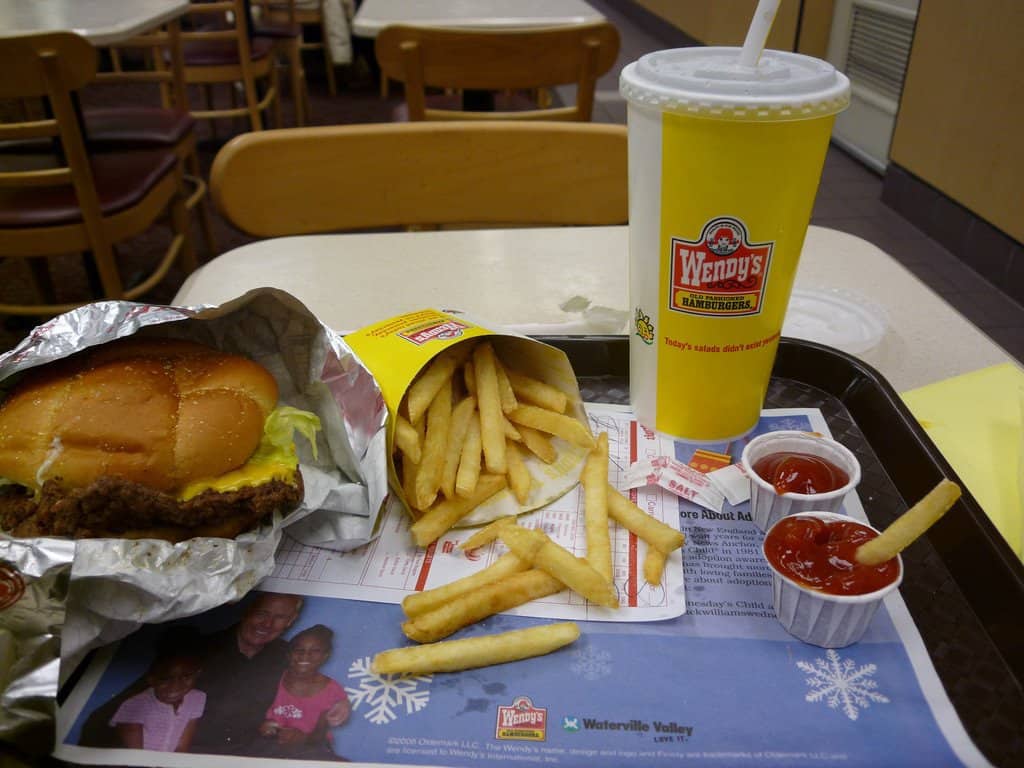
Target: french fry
x: 654, y: 565
x: 469, y: 377
x: 492, y: 432
x: 407, y: 439
x: 558, y: 424
x: 538, y: 444
x: 488, y: 533
x: 537, y: 392
x: 595, y: 507
x: 906, y: 529
x: 462, y: 414
x: 469, y: 462
x: 508, y: 397
x: 519, y: 479
x: 426, y: 385
x: 510, y: 430
x: 409, y: 471
x: 650, y: 529
x: 472, y: 652
x: 576, y: 573
x: 435, y: 446
x: 430, y: 599
x: 443, y: 515
x: 487, y: 600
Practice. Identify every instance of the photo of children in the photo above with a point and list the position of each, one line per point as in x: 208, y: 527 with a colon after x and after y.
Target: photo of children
x: 307, y: 701
x: 245, y: 681
x: 164, y: 716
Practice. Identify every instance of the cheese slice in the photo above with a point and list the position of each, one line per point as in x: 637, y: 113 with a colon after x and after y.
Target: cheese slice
x: 274, y: 459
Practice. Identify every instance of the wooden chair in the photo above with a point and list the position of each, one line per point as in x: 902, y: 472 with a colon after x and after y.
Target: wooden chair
x: 158, y: 60
x: 306, y: 14
x: 364, y: 176
x: 74, y: 203
x: 278, y: 21
x: 497, y: 60
x: 218, y: 49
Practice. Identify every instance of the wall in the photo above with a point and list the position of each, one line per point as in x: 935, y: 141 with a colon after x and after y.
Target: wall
x: 959, y: 127
x: 725, y: 22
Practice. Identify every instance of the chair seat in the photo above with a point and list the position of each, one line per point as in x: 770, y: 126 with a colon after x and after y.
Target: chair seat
x: 277, y: 31
x: 136, y: 127
x: 221, y: 53
x: 503, y: 102
x: 122, y: 181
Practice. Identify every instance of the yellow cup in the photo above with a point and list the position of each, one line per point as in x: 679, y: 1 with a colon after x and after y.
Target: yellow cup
x: 724, y: 164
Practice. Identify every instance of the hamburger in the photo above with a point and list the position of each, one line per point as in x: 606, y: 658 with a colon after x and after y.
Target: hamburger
x: 147, y: 438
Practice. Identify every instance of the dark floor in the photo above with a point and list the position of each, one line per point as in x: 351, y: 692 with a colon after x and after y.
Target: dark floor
x: 849, y: 198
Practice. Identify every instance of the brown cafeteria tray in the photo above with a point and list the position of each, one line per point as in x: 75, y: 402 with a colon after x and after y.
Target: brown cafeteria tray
x: 963, y: 585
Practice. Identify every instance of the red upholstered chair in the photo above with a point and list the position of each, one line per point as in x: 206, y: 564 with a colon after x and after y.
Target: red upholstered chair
x: 218, y: 49
x: 502, y: 61
x: 69, y: 202
x: 278, y: 21
x: 158, y: 59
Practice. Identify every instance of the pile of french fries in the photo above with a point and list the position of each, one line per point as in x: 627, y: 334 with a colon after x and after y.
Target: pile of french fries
x: 456, y: 435
x: 461, y: 431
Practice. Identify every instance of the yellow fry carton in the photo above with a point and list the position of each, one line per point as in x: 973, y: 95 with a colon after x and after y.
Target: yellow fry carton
x: 428, y: 362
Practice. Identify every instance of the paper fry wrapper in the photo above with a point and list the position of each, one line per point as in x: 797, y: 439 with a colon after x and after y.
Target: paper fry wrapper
x: 397, y: 349
x: 119, y: 584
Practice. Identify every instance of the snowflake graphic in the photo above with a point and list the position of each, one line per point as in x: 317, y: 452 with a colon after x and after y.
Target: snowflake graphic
x: 383, y: 695
x: 842, y: 684
x: 590, y: 664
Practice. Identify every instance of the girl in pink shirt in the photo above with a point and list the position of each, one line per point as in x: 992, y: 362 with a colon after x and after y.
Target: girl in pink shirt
x: 164, y: 716
x: 307, y: 701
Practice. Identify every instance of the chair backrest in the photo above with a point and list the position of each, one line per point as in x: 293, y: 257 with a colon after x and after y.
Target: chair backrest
x: 336, y: 178
x: 220, y: 20
x: 162, y: 64
x: 422, y: 57
x: 50, y: 66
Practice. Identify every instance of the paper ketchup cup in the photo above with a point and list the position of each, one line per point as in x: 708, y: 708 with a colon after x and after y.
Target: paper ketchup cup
x: 820, y: 617
x: 396, y: 350
x: 724, y: 164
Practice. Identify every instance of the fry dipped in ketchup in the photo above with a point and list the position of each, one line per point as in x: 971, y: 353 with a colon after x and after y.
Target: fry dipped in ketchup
x: 819, y: 555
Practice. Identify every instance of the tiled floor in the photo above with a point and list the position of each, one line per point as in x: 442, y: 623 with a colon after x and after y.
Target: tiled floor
x: 849, y: 199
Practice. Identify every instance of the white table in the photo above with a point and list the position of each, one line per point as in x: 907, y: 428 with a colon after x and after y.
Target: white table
x: 521, y: 278
x: 374, y: 15
x: 101, y: 22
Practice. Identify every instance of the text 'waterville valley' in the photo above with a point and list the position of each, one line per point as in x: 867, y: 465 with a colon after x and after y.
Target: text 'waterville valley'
x: 640, y: 726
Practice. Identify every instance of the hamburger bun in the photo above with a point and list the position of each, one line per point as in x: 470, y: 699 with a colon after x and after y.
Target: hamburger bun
x: 159, y: 413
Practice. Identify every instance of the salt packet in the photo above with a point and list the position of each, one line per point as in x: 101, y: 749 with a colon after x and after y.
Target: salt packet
x: 678, y: 478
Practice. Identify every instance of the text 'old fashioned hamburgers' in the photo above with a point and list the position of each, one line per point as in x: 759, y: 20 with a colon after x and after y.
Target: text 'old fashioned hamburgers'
x: 147, y: 438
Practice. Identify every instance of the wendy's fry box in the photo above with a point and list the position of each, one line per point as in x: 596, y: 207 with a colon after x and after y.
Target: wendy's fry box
x: 397, y: 349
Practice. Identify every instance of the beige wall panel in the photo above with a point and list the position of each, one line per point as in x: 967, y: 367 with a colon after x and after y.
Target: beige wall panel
x: 725, y: 22
x: 816, y: 28
x: 959, y: 124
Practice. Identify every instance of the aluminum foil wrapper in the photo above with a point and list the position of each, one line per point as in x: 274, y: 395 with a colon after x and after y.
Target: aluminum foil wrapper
x: 119, y: 584
x: 34, y: 577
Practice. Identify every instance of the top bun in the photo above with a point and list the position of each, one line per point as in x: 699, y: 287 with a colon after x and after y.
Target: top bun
x: 158, y: 412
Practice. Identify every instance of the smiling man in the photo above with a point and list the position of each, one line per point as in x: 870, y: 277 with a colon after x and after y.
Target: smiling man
x: 241, y: 672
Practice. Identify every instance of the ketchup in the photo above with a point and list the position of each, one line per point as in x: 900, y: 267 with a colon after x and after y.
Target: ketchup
x: 792, y: 472
x: 820, y: 555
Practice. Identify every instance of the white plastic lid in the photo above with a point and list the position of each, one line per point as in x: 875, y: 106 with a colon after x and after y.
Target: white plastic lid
x: 837, y: 317
x: 709, y: 82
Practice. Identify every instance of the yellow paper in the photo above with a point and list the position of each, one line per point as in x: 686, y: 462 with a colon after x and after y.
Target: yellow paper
x: 976, y: 421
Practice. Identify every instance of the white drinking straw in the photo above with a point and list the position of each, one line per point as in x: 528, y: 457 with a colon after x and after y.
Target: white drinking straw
x: 757, y: 33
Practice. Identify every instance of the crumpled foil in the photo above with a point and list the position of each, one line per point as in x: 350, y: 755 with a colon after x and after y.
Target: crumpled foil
x: 34, y: 577
x: 119, y: 584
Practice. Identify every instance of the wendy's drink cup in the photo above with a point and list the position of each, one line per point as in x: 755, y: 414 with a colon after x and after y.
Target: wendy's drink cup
x: 724, y: 163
